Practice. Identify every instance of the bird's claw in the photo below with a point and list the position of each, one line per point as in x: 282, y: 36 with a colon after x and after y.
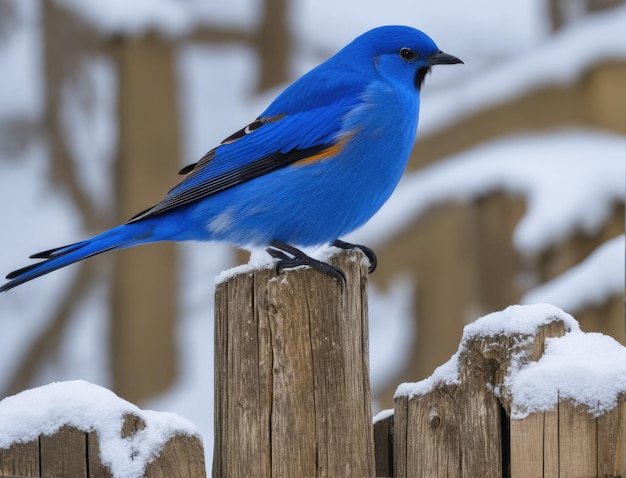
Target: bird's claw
x: 369, y: 253
x: 290, y: 257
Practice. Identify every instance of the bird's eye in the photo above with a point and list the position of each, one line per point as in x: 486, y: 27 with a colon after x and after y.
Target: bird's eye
x: 407, y: 54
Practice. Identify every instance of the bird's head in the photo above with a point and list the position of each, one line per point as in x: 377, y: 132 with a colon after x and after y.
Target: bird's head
x: 399, y: 54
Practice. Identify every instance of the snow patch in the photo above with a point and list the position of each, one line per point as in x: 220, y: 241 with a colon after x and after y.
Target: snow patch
x: 383, y: 414
x: 586, y: 368
x: 571, y: 180
x: 170, y: 17
x: 515, y: 319
x: 21, y: 83
x: 593, y: 281
x: 87, y: 407
x: 600, y: 37
x: 446, y: 374
x: 259, y: 260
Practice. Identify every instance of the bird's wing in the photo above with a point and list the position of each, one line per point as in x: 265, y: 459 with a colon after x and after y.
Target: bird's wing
x: 306, y: 130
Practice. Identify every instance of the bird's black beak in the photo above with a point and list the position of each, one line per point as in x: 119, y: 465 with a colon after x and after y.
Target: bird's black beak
x: 441, y: 58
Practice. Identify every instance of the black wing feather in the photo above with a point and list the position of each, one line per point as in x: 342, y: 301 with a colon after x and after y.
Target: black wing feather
x: 228, y: 179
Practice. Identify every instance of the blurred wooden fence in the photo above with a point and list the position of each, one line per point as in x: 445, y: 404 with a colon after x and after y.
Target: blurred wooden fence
x: 143, y: 293
x: 71, y: 453
x: 144, y: 284
x: 292, y: 396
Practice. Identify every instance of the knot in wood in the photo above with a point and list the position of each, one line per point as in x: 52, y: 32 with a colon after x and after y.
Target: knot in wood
x: 434, y: 418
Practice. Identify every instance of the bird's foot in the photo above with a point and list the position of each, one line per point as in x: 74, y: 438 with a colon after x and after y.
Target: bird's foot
x: 290, y: 257
x: 371, y: 256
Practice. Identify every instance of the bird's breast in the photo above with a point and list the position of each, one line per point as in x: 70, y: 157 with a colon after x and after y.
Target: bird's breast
x: 381, y: 132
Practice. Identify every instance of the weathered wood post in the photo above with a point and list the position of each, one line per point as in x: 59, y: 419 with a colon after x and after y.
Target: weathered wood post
x: 468, y: 419
x: 292, y: 394
x: 75, y: 453
x: 80, y: 430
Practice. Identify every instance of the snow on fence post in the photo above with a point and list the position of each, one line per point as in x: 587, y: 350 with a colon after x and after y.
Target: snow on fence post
x: 292, y: 395
x: 77, y: 429
x: 526, y: 395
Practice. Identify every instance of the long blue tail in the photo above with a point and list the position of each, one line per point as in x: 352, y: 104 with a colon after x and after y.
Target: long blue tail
x: 119, y: 237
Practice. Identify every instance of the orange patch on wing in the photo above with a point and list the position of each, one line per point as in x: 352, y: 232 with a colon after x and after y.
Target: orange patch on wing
x: 328, y: 152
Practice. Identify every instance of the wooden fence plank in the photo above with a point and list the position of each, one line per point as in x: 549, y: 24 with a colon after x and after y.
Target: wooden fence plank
x: 400, y: 431
x: 480, y: 432
x: 612, y: 440
x: 224, y: 301
x: 20, y: 459
x: 340, y: 370
x: 64, y: 454
x: 462, y: 428
x: 527, y: 446
x: 267, y: 346
x: 434, y: 438
x: 294, y: 445
x: 415, y: 439
x: 480, y: 367
x: 181, y: 457
x: 94, y: 463
x: 577, y: 441
x: 383, y: 446
x: 237, y: 375
x: 71, y: 453
x: 551, y: 443
x: 144, y: 304
x: 292, y: 374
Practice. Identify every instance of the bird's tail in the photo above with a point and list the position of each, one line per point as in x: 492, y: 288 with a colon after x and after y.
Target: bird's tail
x: 120, y: 237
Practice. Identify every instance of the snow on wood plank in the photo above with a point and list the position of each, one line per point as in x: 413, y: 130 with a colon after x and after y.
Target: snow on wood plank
x: 75, y: 427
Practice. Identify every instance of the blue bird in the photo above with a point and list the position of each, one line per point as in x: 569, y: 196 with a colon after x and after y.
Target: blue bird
x: 314, y: 166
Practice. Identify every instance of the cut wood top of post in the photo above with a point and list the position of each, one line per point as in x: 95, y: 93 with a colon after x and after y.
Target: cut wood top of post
x: 261, y: 260
x: 129, y: 438
x: 532, y: 357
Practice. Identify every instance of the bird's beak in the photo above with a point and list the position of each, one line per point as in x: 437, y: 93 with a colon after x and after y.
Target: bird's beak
x: 441, y: 58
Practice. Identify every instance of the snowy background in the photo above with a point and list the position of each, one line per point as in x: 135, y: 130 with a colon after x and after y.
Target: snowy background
x: 507, y: 48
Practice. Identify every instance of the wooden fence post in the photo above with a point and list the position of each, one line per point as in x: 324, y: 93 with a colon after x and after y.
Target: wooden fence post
x: 463, y: 426
x: 292, y: 395
x: 461, y: 429
x: 71, y: 452
x: 143, y: 354
x: 570, y: 442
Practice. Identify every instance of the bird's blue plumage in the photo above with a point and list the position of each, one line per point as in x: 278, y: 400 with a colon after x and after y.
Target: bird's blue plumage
x: 315, y: 165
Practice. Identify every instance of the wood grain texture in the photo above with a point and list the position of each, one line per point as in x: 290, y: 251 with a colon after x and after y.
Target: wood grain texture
x: 577, y: 441
x: 568, y: 441
x: 527, y: 447
x: 383, y: 446
x: 181, y: 457
x: 239, y: 384
x: 21, y: 459
x: 64, y: 453
x: 292, y: 393
x: 463, y: 429
x: 434, y: 440
x: 400, y: 431
x: 612, y: 440
x: 94, y: 464
x: 550, y: 443
x: 73, y: 453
